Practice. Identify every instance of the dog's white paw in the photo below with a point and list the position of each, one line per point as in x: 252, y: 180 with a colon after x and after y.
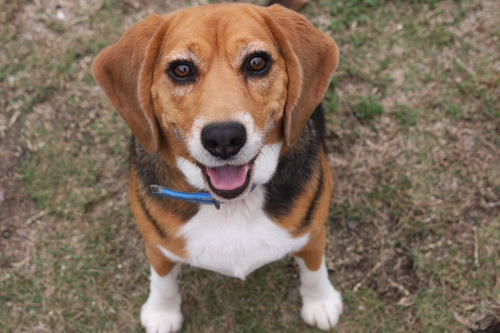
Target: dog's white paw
x: 322, y: 311
x: 156, y: 320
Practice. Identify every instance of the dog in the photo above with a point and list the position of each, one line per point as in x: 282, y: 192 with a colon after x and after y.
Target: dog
x: 224, y: 105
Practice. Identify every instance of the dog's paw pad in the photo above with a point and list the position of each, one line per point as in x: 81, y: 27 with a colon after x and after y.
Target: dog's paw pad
x: 322, y: 312
x: 161, y: 322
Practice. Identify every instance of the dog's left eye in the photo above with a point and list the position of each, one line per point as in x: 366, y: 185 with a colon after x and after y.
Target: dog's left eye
x: 182, y: 72
x: 257, y: 64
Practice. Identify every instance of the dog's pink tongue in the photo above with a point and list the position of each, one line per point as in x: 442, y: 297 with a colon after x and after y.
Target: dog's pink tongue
x: 228, y: 177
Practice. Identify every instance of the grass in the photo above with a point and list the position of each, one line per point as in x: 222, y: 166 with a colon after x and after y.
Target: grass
x: 414, y: 229
x: 367, y: 108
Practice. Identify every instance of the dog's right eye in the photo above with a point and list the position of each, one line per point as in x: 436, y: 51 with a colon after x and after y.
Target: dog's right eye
x: 257, y: 64
x: 182, y: 72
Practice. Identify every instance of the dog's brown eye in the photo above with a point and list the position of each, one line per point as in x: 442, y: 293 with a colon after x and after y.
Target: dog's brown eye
x: 257, y: 64
x: 182, y: 71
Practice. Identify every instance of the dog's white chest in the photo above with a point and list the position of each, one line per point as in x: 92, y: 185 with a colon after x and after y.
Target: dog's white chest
x: 237, y: 239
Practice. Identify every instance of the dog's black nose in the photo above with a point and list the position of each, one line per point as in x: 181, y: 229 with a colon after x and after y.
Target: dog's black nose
x: 223, y: 139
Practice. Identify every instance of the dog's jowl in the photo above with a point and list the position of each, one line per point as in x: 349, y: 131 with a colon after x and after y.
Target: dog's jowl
x: 228, y: 168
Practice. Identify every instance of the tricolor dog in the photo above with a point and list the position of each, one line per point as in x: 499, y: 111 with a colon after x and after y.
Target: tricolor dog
x: 223, y: 101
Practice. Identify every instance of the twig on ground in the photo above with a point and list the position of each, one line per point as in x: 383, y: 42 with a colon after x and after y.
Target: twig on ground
x: 476, y: 247
x: 35, y: 217
x: 399, y: 287
x: 371, y: 272
x: 465, y: 67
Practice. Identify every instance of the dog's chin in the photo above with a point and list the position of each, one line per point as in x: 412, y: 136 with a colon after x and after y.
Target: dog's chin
x: 228, y: 182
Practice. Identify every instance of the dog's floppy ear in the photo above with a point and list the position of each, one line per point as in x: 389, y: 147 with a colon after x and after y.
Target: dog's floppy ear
x: 124, y: 71
x: 310, y: 57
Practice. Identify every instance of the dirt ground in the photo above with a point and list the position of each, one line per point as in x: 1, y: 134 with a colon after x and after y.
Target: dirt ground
x: 415, y: 214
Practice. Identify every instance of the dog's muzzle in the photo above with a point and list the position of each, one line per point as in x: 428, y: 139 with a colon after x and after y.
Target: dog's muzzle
x: 223, y: 141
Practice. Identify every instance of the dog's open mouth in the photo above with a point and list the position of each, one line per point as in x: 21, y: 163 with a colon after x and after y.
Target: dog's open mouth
x: 228, y: 181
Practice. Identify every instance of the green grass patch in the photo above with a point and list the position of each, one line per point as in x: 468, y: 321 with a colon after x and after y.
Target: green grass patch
x: 406, y: 117
x: 366, y: 109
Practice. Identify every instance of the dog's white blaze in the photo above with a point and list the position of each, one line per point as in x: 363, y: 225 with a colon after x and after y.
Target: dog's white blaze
x: 236, y: 239
x: 263, y: 168
x: 193, y: 174
x: 248, y: 151
x: 265, y: 164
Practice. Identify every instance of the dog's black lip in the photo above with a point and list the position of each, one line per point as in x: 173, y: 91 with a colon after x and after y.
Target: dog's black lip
x: 232, y: 193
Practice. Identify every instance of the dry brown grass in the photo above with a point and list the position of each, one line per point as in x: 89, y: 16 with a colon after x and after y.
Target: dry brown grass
x: 414, y: 137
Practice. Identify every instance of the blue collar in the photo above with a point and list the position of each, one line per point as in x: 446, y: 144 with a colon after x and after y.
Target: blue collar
x: 199, y: 197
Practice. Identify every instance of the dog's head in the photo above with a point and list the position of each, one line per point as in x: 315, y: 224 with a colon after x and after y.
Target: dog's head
x: 223, y: 88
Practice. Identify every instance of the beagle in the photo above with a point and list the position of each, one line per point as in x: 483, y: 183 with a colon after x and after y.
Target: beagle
x: 222, y: 101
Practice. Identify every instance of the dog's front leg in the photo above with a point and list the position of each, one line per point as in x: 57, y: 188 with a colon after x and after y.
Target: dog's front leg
x: 321, y: 302
x: 162, y: 311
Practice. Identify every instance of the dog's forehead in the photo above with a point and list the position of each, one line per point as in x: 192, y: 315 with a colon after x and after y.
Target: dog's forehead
x: 219, y: 28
